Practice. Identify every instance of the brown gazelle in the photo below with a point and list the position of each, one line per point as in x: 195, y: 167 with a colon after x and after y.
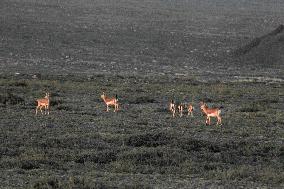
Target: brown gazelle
x: 180, y: 109
x: 172, y: 108
x: 211, y: 112
x: 110, y: 102
x: 43, y: 103
x: 190, y: 110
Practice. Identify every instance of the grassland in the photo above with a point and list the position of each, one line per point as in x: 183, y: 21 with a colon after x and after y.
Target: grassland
x: 148, y: 52
x: 80, y: 145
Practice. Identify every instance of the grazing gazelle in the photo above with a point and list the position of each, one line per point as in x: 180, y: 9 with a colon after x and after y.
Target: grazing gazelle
x: 43, y: 103
x: 172, y: 108
x: 211, y: 112
x: 180, y: 109
x: 110, y: 101
x: 190, y: 110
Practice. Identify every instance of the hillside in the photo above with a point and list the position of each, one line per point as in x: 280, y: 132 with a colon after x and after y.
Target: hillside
x: 264, y: 51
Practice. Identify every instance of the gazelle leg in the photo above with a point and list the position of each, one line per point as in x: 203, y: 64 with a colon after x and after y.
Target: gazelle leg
x: 36, y: 110
x: 107, y: 108
x: 208, y: 120
x: 219, y: 120
x: 47, y: 111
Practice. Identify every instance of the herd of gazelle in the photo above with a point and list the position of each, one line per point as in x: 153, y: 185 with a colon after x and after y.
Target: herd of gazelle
x: 209, y: 112
x: 174, y: 108
x: 44, y: 103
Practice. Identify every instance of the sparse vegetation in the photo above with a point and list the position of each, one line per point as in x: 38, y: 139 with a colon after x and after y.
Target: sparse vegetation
x: 79, y: 136
x: 148, y: 53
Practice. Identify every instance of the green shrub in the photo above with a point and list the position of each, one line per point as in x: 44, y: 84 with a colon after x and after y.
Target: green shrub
x: 253, y: 107
x: 18, y: 84
x: 30, y: 164
x: 148, y: 139
x: 101, y: 157
x: 142, y: 100
x: 152, y: 160
x: 10, y: 98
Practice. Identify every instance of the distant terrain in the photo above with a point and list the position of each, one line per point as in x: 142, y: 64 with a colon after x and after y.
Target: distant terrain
x: 265, y: 51
x: 227, y: 53
x: 134, y: 37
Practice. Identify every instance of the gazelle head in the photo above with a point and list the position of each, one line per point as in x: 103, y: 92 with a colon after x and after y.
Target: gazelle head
x: 47, y: 95
x: 172, y: 102
x: 103, y: 95
x: 190, y: 106
x: 203, y: 105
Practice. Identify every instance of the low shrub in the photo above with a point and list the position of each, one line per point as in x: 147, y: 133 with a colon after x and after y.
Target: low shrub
x: 11, y: 99
x: 102, y: 157
x: 156, y: 157
x: 142, y: 100
x: 148, y: 140
x: 253, y: 107
x: 19, y: 84
x: 30, y: 164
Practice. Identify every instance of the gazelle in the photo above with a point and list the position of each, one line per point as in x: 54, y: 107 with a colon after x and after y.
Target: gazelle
x: 172, y: 108
x: 110, y: 102
x: 180, y: 109
x: 190, y: 110
x: 43, y: 103
x: 211, y: 112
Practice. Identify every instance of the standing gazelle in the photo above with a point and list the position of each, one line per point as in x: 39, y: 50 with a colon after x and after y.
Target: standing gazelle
x: 180, y: 109
x: 43, y: 103
x: 172, y: 108
x: 211, y: 112
x: 190, y: 110
x: 110, y: 102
